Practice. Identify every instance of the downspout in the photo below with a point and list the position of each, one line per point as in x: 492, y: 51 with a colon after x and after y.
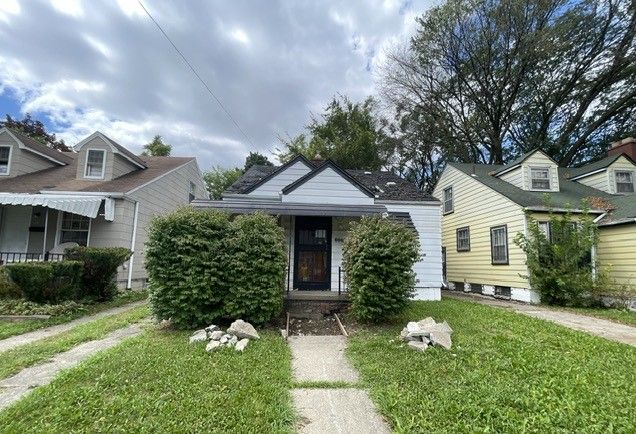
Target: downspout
x: 593, y: 252
x: 132, y: 246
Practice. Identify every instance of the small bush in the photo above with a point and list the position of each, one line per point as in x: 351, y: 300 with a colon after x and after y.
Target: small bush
x: 378, y: 258
x: 257, y: 264
x: 186, y: 260
x: 8, y: 289
x: 25, y: 307
x: 99, y: 270
x: 44, y: 282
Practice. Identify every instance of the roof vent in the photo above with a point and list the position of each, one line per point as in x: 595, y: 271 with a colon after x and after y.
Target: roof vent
x: 390, y: 184
x: 366, y: 172
x: 379, y: 189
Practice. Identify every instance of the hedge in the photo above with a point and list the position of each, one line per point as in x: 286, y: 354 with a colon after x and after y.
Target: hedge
x: 44, y: 282
x: 378, y: 259
x: 99, y: 270
x: 202, y: 267
x: 8, y: 289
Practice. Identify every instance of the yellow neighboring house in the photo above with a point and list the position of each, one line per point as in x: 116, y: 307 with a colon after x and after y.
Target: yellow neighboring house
x: 485, y: 206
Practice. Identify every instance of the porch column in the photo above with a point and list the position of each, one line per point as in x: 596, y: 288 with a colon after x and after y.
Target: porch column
x: 46, y: 228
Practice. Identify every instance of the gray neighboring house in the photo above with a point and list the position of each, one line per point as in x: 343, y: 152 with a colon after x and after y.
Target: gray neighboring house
x: 100, y: 195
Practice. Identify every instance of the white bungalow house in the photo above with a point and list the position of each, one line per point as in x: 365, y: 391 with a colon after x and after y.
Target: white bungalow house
x: 316, y: 201
x: 100, y: 195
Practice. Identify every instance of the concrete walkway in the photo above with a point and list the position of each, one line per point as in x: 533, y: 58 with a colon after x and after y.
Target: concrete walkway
x: 36, y: 335
x: 324, y: 410
x: 14, y: 388
x: 596, y: 326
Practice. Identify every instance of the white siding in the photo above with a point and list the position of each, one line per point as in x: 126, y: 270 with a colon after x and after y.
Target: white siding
x: 540, y: 160
x: 622, y: 164
x: 427, y: 221
x: 328, y: 187
x: 339, y: 228
x: 514, y: 177
x: 600, y: 181
x: 281, y: 180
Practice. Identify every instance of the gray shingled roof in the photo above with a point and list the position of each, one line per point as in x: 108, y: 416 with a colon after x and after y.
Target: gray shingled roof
x: 41, y: 148
x: 573, y: 172
x: 375, y: 181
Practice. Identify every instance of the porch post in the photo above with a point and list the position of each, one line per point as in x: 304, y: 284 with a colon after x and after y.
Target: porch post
x: 289, y: 264
x: 46, y: 229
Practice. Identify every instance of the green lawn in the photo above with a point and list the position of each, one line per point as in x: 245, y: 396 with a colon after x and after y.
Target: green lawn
x: 11, y: 328
x: 18, y: 358
x: 157, y: 382
x: 617, y: 315
x: 506, y: 373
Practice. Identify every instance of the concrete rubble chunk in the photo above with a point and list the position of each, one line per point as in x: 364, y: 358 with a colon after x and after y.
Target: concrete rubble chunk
x: 426, y: 322
x: 233, y: 341
x: 216, y: 335
x: 242, y: 329
x: 199, y: 336
x: 212, y: 345
x: 442, y: 327
x: 240, y: 345
x: 225, y: 338
x: 212, y: 328
x: 441, y: 339
x: 412, y: 327
x: 407, y: 336
x: 418, y: 345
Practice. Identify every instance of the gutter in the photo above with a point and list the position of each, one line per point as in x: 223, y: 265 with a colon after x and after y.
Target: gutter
x: 563, y: 210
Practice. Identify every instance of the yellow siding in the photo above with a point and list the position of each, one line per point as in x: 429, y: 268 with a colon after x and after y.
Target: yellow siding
x: 480, y: 208
x: 617, y: 250
x: 515, y: 177
x: 598, y: 181
x: 621, y: 164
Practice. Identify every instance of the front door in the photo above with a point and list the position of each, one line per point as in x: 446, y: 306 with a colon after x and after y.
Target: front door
x: 312, y: 253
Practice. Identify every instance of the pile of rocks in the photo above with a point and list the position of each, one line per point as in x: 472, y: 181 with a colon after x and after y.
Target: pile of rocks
x: 238, y: 335
x: 422, y: 334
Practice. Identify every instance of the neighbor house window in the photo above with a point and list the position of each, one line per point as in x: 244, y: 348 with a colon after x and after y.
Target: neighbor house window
x: 499, y: 245
x: 624, y: 182
x: 448, y: 200
x: 463, y: 239
x: 74, y: 229
x: 193, y: 192
x: 95, y: 161
x: 540, y: 178
x: 5, y: 153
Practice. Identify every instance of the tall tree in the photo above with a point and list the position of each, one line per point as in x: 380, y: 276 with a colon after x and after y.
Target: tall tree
x: 486, y: 80
x: 157, y: 148
x: 36, y: 130
x: 255, y: 158
x: 351, y: 134
x: 219, y: 179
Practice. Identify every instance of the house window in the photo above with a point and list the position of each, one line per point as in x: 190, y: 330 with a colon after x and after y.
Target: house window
x: 499, y: 245
x: 544, y: 227
x: 95, y: 162
x: 5, y: 153
x: 448, y: 200
x: 624, y: 182
x: 74, y: 229
x: 193, y: 192
x: 463, y: 239
x: 540, y: 178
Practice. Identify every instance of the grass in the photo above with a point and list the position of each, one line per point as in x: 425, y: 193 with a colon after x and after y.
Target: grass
x: 622, y: 316
x: 506, y: 373
x: 157, y: 382
x: 18, y: 358
x: 12, y: 328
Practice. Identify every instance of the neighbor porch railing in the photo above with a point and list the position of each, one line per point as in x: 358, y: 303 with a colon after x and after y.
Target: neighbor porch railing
x: 11, y: 257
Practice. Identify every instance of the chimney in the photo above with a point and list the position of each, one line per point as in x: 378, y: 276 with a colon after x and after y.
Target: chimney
x: 626, y: 146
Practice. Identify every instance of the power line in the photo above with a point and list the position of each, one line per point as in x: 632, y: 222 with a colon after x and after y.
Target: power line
x: 196, y: 74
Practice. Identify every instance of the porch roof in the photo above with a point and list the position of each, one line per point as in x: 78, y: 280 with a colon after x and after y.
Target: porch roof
x: 280, y: 208
x: 84, y: 205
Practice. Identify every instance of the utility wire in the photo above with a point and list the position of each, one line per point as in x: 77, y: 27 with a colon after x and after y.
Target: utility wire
x: 196, y: 74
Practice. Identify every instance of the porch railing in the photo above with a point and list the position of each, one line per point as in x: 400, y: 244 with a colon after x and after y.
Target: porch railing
x: 11, y: 257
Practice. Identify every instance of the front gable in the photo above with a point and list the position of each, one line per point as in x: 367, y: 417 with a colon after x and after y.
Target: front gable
x: 328, y: 184
x: 288, y: 173
x: 622, y: 164
x: 19, y: 159
x: 520, y: 174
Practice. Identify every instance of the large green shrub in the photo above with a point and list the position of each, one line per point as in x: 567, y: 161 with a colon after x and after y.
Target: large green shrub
x: 257, y: 264
x: 186, y: 260
x: 378, y: 259
x: 44, y: 282
x: 100, y: 269
x: 560, y: 266
x: 8, y: 288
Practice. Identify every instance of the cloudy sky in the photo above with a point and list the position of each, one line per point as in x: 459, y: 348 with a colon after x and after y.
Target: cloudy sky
x: 86, y: 65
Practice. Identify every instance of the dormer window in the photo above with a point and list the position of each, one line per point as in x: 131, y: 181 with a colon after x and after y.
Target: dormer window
x: 95, y: 162
x: 5, y: 155
x: 540, y: 178
x: 624, y: 182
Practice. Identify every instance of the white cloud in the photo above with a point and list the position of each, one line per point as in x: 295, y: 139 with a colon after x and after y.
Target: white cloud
x: 73, y: 8
x: 113, y: 71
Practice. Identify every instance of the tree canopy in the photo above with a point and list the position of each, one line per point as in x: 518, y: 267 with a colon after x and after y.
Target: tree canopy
x: 157, y: 148
x: 219, y: 179
x: 351, y: 134
x: 36, y: 130
x: 256, y: 158
x: 486, y: 80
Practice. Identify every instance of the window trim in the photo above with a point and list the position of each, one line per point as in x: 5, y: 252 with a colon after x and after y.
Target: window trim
x: 452, y: 208
x: 103, y: 173
x: 192, y: 191
x: 467, y: 228
x: 492, y: 247
x: 58, y: 235
x: 631, y: 173
x: 8, y: 160
x: 549, y: 179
